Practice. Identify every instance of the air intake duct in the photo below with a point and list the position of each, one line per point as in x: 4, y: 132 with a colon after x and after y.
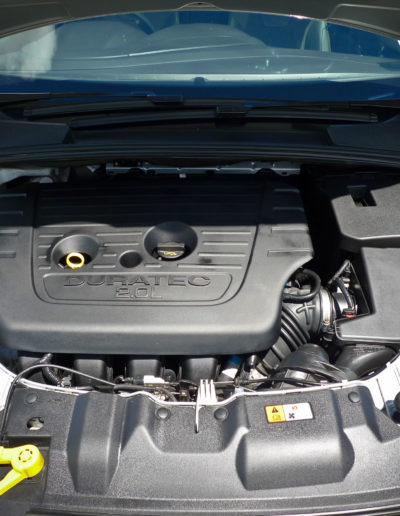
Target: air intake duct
x: 308, y: 313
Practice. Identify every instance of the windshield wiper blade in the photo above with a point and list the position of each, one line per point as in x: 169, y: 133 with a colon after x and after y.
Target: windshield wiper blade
x: 14, y: 99
x: 149, y: 97
x: 7, y: 99
x: 139, y: 99
x: 216, y: 114
x: 78, y: 103
x: 375, y: 103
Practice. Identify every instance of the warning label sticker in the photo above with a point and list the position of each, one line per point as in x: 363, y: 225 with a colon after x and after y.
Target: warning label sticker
x: 287, y: 413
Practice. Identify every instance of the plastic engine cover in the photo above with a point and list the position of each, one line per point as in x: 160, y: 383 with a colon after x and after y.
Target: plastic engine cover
x: 190, y: 266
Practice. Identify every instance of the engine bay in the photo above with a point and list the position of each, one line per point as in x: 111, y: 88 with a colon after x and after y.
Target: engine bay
x: 130, y: 279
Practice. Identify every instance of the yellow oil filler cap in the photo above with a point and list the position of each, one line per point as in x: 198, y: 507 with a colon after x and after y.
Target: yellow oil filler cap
x: 75, y: 260
x: 26, y: 462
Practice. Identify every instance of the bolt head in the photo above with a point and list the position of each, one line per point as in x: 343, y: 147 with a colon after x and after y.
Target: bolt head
x: 31, y: 397
x: 354, y: 397
x: 221, y: 414
x: 163, y: 414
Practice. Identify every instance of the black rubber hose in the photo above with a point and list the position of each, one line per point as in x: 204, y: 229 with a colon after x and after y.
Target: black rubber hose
x: 341, y: 270
x: 292, y: 381
x: 315, y: 288
x: 363, y: 359
x: 288, y: 337
x: 315, y: 371
x: 349, y: 300
x: 49, y: 374
x: 291, y: 327
x: 305, y: 336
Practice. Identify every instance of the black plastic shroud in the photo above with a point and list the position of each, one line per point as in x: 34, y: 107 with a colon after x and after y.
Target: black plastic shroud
x: 243, y: 238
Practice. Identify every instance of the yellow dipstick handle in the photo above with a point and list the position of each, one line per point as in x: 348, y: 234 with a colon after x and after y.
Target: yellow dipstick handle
x: 75, y: 260
x: 26, y: 462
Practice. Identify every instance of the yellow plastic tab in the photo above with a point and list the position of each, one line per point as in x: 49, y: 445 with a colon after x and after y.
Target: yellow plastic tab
x: 26, y: 462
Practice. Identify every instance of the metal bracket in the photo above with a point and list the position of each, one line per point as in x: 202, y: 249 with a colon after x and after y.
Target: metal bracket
x: 206, y: 396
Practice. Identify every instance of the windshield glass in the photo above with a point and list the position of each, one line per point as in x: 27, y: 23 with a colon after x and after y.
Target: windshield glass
x: 204, y: 53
